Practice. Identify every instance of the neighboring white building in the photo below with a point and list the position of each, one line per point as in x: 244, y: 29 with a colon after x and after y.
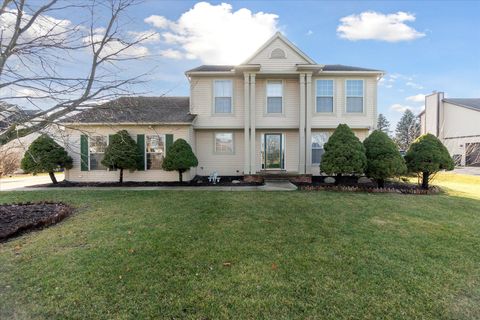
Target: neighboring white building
x: 456, y: 122
x: 271, y: 114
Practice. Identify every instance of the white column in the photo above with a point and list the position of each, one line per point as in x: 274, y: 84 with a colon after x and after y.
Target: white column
x: 253, y: 152
x: 246, y: 126
x: 301, y: 128
x: 308, y: 123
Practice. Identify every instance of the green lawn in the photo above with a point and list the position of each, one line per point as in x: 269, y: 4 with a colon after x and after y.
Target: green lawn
x: 249, y: 255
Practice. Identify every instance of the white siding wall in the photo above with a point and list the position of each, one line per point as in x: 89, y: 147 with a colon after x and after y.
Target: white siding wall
x: 202, y: 103
x: 224, y: 164
x: 431, y: 114
x: 73, y: 148
x: 291, y: 104
x: 367, y: 119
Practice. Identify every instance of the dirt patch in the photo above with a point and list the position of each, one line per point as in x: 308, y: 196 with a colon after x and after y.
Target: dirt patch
x: 198, y: 181
x: 21, y: 217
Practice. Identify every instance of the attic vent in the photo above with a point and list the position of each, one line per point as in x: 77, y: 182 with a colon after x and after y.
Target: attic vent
x: 277, y: 54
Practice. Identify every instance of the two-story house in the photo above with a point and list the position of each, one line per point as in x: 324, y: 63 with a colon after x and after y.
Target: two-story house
x: 273, y: 113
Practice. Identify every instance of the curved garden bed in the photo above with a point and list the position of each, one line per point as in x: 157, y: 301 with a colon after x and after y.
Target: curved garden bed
x: 21, y: 217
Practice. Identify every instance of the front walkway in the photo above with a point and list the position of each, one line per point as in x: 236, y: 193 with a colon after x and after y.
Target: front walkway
x: 25, y: 181
x: 268, y: 186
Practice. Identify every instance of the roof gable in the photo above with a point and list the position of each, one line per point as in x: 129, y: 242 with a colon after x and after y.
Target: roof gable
x: 269, y: 51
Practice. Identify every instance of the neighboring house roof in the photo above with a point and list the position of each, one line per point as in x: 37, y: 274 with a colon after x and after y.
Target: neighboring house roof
x: 468, y: 103
x: 327, y: 67
x: 137, y: 110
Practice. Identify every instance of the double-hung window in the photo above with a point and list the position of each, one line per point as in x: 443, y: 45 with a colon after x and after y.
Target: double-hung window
x: 155, y: 151
x: 223, y: 96
x: 224, y: 142
x: 97, y: 147
x: 324, y: 95
x: 318, y: 141
x: 354, y: 96
x: 274, y: 96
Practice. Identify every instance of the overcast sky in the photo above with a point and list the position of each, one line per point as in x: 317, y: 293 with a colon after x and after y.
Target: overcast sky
x: 422, y: 45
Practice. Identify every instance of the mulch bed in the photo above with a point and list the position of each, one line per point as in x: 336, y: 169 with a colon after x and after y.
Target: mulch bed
x: 350, y: 184
x: 21, y: 217
x: 198, y: 181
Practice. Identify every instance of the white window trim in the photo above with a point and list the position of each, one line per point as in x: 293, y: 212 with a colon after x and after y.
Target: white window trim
x: 334, y: 100
x: 145, y: 150
x: 275, y: 114
x: 223, y: 114
x: 215, y: 143
x: 363, y: 100
x: 89, y: 142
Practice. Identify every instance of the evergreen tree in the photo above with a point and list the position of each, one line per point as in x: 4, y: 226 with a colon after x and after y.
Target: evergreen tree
x: 45, y: 155
x: 383, y: 159
x: 344, y: 153
x: 122, y: 153
x: 383, y: 124
x: 408, y: 129
x: 427, y: 155
x: 180, y: 157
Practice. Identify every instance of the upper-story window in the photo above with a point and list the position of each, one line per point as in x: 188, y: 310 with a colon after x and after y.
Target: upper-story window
x: 324, y: 96
x: 97, y: 147
x: 354, y: 96
x: 223, y: 96
x: 274, y: 96
x: 155, y: 151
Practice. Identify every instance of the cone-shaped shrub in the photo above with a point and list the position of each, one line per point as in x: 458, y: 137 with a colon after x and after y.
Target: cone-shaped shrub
x: 383, y: 158
x: 180, y: 157
x: 45, y: 155
x: 122, y: 153
x: 427, y: 155
x: 344, y: 153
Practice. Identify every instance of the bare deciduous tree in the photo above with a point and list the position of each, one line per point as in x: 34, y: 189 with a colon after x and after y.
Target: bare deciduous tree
x: 36, y: 50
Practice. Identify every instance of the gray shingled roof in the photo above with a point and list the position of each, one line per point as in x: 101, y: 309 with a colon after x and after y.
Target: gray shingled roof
x: 327, y: 67
x: 469, y: 103
x: 137, y: 110
x: 340, y: 67
x: 212, y: 68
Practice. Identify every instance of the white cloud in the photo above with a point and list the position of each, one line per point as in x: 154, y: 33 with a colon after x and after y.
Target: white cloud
x: 371, y: 25
x: 309, y: 33
x: 172, y: 54
x: 416, y: 98
x: 397, y: 107
x: 149, y: 36
x: 158, y: 21
x: 118, y: 49
x: 215, y: 33
x: 414, y: 85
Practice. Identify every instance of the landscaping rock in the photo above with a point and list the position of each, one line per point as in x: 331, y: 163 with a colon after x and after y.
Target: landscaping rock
x: 236, y: 181
x: 362, y: 180
x: 329, y: 180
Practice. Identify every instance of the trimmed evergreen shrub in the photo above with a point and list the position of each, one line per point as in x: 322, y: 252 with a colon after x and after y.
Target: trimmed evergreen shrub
x: 427, y: 155
x: 45, y: 155
x: 344, y: 153
x: 383, y: 158
x: 180, y: 157
x: 122, y: 153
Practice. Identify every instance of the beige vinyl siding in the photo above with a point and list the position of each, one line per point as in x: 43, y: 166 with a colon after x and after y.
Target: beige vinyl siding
x: 278, y: 65
x: 431, y: 114
x: 224, y: 164
x: 73, y: 148
x: 202, y: 103
x: 459, y: 121
x: 291, y: 148
x: 339, y: 115
x: 361, y: 134
x: 291, y: 104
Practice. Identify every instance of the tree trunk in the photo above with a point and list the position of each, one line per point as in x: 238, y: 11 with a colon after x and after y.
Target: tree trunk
x: 180, y: 175
x: 52, y: 176
x: 381, y: 183
x: 337, y: 179
x: 121, y: 176
x: 425, y: 176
